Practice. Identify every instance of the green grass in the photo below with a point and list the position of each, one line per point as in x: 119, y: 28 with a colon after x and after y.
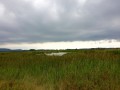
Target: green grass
x: 77, y: 70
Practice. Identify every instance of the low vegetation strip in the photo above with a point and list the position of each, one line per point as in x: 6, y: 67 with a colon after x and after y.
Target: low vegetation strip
x: 77, y: 70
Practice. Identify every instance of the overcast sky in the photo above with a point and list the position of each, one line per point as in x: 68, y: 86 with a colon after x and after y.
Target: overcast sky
x: 42, y: 21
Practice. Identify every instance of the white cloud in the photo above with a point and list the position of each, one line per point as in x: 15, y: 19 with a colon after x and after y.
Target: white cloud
x: 2, y: 10
x: 66, y: 45
x: 54, y: 14
x: 82, y: 2
x: 41, y: 4
x: 6, y: 17
x: 58, y: 20
x: 48, y: 8
x: 116, y: 22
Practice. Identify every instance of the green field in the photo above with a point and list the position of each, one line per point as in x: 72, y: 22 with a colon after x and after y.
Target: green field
x: 96, y: 69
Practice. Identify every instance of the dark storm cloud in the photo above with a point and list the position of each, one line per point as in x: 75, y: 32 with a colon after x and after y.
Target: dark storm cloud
x: 58, y: 20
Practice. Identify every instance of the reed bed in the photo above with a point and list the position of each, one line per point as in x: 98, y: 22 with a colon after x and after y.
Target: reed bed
x: 77, y: 70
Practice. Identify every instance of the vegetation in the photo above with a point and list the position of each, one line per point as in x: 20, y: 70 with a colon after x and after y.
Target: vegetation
x: 95, y: 69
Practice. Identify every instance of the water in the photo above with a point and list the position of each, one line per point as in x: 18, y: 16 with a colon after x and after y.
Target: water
x: 56, y: 54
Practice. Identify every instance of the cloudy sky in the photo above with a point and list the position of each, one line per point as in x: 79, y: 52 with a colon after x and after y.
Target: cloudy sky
x: 59, y: 23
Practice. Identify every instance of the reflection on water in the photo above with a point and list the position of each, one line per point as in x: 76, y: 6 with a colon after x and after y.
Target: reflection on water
x: 56, y: 54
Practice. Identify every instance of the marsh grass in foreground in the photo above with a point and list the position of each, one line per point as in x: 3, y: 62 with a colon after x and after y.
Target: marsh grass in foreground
x: 76, y: 70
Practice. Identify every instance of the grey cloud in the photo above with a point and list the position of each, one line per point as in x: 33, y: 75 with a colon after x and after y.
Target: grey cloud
x: 95, y: 20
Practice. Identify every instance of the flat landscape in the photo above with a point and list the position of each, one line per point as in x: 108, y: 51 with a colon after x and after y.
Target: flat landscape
x: 93, y: 69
